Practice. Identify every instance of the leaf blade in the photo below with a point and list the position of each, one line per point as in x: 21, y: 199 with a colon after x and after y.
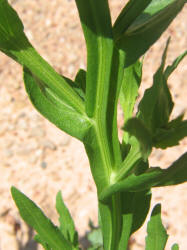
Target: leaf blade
x: 53, y: 108
x: 156, y: 105
x: 136, y: 127
x: 147, y: 30
x: 156, y: 234
x: 36, y: 219
x: 128, y: 14
x: 67, y: 226
x: 14, y: 43
x: 129, y: 89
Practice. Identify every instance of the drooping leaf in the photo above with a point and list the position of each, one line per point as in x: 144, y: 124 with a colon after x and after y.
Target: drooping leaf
x: 33, y: 216
x: 156, y: 234
x: 148, y: 27
x: 53, y: 108
x: 156, y: 105
x: 67, y: 226
x: 128, y: 15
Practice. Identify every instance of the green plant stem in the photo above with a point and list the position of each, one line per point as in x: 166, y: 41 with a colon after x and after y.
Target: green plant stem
x: 111, y: 222
x: 104, y: 153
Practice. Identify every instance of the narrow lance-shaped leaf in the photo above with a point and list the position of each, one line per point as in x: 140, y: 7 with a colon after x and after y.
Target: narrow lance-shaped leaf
x: 67, y: 226
x: 133, y: 183
x: 38, y: 239
x: 153, y: 177
x: 53, y: 108
x: 15, y: 44
x: 36, y: 219
x: 128, y: 15
x: 156, y: 234
x: 148, y: 28
x: 169, y: 70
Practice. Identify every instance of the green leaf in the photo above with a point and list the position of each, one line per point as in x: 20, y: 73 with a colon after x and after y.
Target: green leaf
x: 134, y: 183
x: 128, y: 15
x: 133, y: 216
x: 156, y: 234
x: 153, y: 177
x: 148, y: 27
x: 67, y: 226
x: 135, y: 127
x: 53, y: 108
x: 10, y: 29
x: 33, y: 216
x: 176, y: 173
x: 175, y: 247
x: 140, y: 212
x: 15, y: 44
x: 156, y: 105
x: 75, y: 87
x: 174, y: 65
x: 42, y: 242
x: 80, y: 79
x: 169, y: 137
x: 129, y: 91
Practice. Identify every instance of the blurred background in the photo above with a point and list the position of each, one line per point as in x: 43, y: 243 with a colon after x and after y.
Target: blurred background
x: 40, y: 160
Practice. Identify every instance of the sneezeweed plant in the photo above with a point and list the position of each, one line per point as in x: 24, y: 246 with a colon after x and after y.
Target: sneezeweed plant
x: 86, y: 108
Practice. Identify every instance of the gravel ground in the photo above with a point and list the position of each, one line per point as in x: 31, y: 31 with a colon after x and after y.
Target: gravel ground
x: 39, y: 159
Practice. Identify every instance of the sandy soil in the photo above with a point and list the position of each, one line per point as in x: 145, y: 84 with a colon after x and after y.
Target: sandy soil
x: 39, y: 159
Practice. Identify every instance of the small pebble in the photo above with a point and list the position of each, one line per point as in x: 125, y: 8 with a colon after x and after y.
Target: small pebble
x: 44, y: 164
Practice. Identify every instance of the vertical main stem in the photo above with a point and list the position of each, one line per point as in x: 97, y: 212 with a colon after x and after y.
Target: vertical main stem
x: 105, y: 162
